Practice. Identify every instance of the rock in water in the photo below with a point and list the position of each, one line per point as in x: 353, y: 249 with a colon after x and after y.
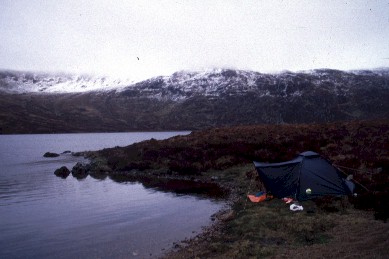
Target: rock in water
x: 49, y: 154
x: 62, y: 172
x: 80, y: 171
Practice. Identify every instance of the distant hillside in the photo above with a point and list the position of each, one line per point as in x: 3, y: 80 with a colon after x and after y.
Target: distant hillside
x: 43, y: 103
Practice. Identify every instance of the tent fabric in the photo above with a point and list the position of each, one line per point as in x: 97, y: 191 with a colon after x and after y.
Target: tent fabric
x: 305, y: 177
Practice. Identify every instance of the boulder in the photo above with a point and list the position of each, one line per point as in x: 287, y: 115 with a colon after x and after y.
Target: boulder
x: 49, y: 154
x: 99, y: 169
x: 62, y: 172
x: 80, y: 171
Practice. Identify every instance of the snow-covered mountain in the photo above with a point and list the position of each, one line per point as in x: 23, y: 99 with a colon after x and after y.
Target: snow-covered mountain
x: 37, y: 103
x: 185, y: 84
x: 29, y: 82
x: 226, y: 82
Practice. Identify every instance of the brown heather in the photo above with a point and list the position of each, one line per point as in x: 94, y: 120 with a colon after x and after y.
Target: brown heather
x: 327, y: 228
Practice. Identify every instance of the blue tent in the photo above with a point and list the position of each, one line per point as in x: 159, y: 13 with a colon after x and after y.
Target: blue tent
x: 305, y: 177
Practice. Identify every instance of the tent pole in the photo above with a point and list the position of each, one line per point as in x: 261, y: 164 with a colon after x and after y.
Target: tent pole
x: 340, y: 170
x: 298, y: 179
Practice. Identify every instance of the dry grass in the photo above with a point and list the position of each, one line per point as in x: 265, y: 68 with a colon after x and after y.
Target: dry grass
x: 355, y: 235
x: 327, y: 229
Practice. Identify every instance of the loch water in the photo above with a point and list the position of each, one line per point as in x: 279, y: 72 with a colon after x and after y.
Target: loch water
x: 44, y: 216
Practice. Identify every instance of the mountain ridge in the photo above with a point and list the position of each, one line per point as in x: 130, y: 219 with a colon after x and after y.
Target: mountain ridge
x: 192, y: 100
x: 40, y: 82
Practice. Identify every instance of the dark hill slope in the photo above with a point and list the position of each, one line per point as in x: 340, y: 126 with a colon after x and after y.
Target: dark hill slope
x: 194, y: 100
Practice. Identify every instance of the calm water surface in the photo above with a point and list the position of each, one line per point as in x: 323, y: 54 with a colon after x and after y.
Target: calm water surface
x: 43, y: 216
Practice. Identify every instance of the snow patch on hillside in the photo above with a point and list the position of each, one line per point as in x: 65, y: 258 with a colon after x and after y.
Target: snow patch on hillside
x: 26, y: 82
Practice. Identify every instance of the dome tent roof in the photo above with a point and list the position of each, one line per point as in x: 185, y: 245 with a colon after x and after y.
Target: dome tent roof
x: 305, y: 177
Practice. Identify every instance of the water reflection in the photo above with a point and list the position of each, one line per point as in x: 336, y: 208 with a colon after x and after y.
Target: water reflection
x: 43, y: 216
x: 178, y: 186
x: 163, y: 184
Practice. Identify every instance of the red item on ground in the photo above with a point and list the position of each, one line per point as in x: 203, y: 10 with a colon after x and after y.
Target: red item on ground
x: 254, y: 198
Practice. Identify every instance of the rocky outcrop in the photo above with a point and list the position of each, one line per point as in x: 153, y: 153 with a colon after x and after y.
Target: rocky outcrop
x: 99, y: 169
x: 62, y: 172
x: 49, y: 154
x: 80, y: 171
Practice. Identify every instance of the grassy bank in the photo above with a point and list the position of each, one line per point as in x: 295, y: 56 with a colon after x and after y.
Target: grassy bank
x: 328, y: 227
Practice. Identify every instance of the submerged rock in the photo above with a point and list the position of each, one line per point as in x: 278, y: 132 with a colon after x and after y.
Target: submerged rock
x: 49, y: 154
x: 80, y: 171
x: 62, y: 172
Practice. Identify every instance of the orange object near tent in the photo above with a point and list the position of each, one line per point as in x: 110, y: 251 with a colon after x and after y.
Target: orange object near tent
x: 254, y: 198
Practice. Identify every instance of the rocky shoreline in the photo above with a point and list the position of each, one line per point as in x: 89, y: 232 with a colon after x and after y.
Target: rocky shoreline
x: 221, y: 159
x: 164, y: 180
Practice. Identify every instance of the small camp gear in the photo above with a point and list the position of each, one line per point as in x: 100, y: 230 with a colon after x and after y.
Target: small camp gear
x: 295, y: 207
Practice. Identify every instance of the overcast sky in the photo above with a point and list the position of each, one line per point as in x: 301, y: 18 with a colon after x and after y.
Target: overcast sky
x: 141, y: 39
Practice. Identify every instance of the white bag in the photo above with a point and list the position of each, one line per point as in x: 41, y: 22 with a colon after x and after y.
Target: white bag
x: 295, y: 207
